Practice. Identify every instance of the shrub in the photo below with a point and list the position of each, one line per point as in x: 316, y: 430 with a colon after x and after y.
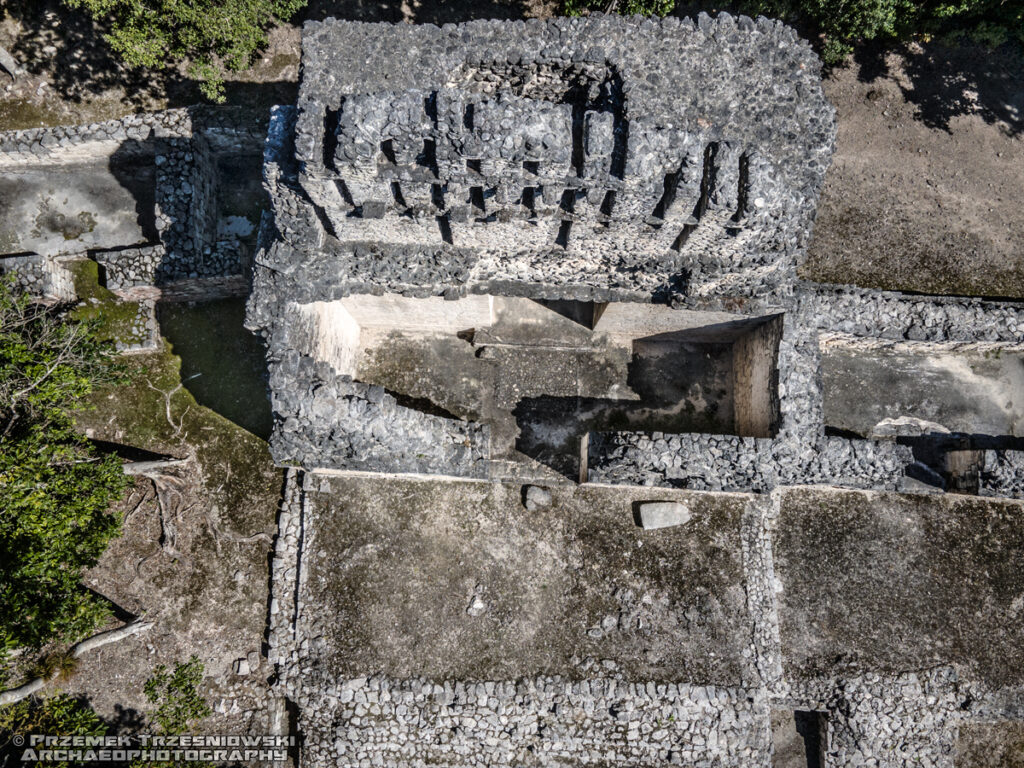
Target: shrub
x: 842, y: 23
x: 211, y: 35
x: 56, y: 666
x: 59, y: 715
x: 179, y: 706
x: 55, y: 489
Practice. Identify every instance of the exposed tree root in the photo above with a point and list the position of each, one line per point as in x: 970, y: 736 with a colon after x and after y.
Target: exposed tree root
x: 103, y: 638
x: 168, y: 394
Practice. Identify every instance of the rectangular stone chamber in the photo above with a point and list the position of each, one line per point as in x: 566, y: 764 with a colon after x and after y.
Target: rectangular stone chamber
x: 543, y: 374
x: 950, y: 401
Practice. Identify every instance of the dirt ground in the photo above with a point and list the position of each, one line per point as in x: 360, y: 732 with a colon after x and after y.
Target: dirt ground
x: 924, y: 193
x: 192, y: 558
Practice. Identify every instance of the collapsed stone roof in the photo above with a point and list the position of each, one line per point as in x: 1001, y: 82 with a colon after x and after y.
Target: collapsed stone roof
x: 589, y: 158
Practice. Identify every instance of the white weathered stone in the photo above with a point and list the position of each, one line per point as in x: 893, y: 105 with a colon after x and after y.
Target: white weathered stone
x: 663, y: 514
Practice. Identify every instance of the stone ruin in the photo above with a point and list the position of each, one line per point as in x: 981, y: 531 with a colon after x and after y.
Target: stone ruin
x: 580, y: 237
x: 564, y: 253
x: 142, y: 196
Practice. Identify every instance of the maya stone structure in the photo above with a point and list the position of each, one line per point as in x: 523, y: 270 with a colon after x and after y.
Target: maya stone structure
x: 404, y: 626
x: 578, y: 471
x: 566, y: 214
x: 564, y: 253
x: 139, y: 195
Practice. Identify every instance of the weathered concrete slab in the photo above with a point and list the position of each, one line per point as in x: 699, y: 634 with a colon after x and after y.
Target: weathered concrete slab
x: 888, y: 583
x: 456, y: 580
x: 71, y: 209
x: 977, y: 391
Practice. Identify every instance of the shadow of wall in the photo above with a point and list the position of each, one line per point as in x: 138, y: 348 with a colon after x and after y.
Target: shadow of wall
x: 202, y: 208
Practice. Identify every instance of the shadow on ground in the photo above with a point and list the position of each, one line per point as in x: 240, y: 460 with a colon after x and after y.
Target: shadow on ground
x: 70, y: 47
x: 944, y: 82
x: 223, y: 365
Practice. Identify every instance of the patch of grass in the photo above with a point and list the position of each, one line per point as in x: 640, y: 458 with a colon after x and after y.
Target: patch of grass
x: 116, y: 319
x: 22, y: 114
x: 86, y: 276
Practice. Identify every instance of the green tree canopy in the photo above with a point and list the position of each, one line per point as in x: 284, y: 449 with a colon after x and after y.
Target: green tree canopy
x: 840, y: 23
x: 55, y: 489
x: 210, y: 35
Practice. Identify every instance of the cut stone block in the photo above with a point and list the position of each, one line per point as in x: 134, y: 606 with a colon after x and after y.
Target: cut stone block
x: 663, y: 514
x: 537, y: 498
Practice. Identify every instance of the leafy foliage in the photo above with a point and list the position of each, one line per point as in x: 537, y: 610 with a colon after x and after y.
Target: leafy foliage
x: 178, y: 702
x: 625, y: 7
x: 840, y: 23
x: 59, y: 715
x: 54, y: 488
x: 178, y: 707
x: 211, y: 35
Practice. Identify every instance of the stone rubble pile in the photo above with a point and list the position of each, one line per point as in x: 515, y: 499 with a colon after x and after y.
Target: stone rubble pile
x: 335, y: 422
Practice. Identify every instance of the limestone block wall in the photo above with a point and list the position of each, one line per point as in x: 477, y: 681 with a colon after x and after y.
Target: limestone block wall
x: 724, y: 462
x: 891, y: 315
x: 226, y: 129
x: 327, y: 421
x: 143, y: 334
x: 30, y: 273
x: 203, y: 204
x: 130, y: 267
x: 596, y: 722
x: 75, y: 143
x: 599, y: 158
x: 45, y: 277
x: 186, y: 200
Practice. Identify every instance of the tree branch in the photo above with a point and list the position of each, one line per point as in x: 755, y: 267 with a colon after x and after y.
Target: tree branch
x: 103, y: 638
x: 10, y: 64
